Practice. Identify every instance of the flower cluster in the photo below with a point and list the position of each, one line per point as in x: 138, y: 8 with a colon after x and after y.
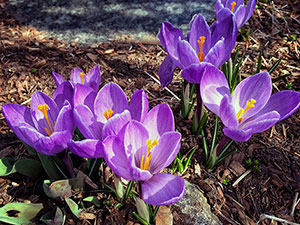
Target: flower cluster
x: 135, y: 142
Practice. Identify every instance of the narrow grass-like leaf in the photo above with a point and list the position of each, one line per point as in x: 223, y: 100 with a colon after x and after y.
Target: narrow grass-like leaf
x: 128, y: 189
x: 274, y: 66
x: 144, y: 222
x: 259, y: 62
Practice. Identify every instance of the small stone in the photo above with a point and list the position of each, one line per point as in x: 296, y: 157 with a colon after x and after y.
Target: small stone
x: 194, y: 207
x: 164, y: 216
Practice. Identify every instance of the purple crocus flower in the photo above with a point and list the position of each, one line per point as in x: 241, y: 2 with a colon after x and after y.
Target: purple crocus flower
x: 48, y: 124
x: 241, y: 13
x: 100, y: 115
x: 204, y: 47
x: 91, y: 79
x: 251, y: 108
x: 140, y: 151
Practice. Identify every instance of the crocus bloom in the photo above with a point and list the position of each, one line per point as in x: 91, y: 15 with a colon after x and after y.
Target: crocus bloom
x: 100, y: 115
x: 91, y: 79
x: 251, y: 108
x: 48, y: 125
x: 205, y: 47
x: 241, y: 13
x: 139, y: 152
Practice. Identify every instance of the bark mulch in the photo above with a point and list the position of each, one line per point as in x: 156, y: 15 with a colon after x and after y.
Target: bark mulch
x: 257, y: 185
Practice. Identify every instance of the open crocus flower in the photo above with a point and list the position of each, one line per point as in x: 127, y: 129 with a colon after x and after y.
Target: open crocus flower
x: 251, y: 108
x: 241, y: 13
x: 205, y: 47
x: 136, y: 154
x: 91, y: 79
x: 100, y: 115
x: 48, y: 125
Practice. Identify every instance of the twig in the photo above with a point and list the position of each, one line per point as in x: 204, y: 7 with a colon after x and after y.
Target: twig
x: 264, y: 216
x: 241, y: 178
x: 167, y: 89
x: 295, y: 203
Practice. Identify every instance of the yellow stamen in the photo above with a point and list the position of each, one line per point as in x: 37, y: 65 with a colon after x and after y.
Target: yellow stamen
x: 145, y: 166
x: 108, y: 114
x: 250, y: 104
x: 200, y: 53
x: 233, y: 4
x: 44, y: 110
x: 81, y: 77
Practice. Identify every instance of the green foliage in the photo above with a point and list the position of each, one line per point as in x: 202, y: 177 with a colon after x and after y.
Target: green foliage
x: 54, y: 217
x: 19, y: 213
x: 181, y: 163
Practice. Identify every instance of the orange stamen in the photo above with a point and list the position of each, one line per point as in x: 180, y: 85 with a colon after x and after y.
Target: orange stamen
x: 81, y: 77
x: 108, y: 114
x: 44, y: 110
x: 200, y: 53
x: 233, y: 4
x: 145, y: 166
x: 250, y: 104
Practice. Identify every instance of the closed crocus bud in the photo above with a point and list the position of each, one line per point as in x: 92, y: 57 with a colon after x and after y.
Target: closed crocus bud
x: 119, y: 187
x: 142, y: 209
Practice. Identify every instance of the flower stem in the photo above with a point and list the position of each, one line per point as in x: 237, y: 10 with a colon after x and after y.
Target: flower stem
x: 222, y: 143
x: 199, y: 108
x: 64, y: 157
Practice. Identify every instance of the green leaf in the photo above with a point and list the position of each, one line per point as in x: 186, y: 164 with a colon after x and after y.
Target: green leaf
x: 142, y: 209
x: 6, y: 166
x: 58, y: 189
x: 259, y: 62
x: 73, y: 207
x: 128, y: 190
x: 50, y: 167
x: 93, y: 199
x: 19, y: 213
x: 274, y: 66
x: 94, y: 165
x: 29, y: 167
x: 59, y: 217
x: 144, y: 222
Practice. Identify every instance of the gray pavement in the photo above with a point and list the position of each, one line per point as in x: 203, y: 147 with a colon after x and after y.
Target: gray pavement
x: 91, y: 21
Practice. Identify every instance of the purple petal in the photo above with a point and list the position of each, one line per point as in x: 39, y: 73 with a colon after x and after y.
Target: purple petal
x: 62, y: 93
x: 65, y: 119
x: 135, y: 137
x: 58, y: 79
x: 262, y: 122
x: 39, y: 98
x: 166, y: 71
x: 216, y: 55
x: 87, y: 148
x: 139, y: 105
x: 225, y: 26
x: 168, y: 35
x: 199, y: 28
x: 238, y: 135
x: 53, y: 144
x: 257, y: 87
x: 111, y: 96
x: 240, y: 16
x: 75, y: 76
x: 115, y: 124
x: 87, y: 123
x: 115, y: 157
x: 163, y: 189
x: 136, y: 172
x: 159, y: 120
x: 16, y: 115
x: 213, y: 88
x: 194, y: 72
x: 165, y: 152
x: 185, y: 55
x: 249, y: 10
x: 283, y: 102
x: 94, y: 78
x: 84, y: 95
x: 219, y: 5
x: 227, y: 113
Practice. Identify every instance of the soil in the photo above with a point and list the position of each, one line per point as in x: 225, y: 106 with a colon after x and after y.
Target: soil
x: 272, y: 185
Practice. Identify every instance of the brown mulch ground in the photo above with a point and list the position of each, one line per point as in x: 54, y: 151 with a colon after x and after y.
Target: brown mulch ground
x: 271, y: 188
